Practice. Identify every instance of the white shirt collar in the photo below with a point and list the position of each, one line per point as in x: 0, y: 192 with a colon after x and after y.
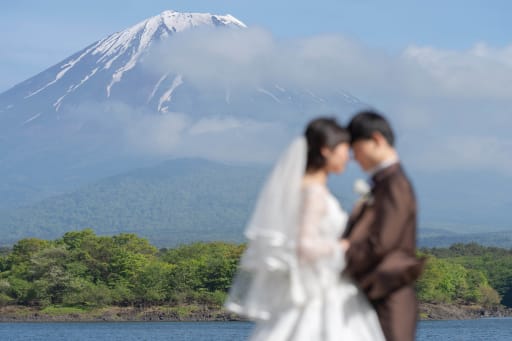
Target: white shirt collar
x: 384, y: 164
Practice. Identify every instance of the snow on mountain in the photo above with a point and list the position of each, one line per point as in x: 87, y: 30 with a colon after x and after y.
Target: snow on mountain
x: 104, y: 63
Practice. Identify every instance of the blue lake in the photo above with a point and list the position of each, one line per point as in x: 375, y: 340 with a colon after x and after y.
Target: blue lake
x: 483, y: 329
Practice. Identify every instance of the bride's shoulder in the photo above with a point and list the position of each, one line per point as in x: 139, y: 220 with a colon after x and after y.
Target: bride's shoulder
x: 311, y: 186
x: 314, y: 191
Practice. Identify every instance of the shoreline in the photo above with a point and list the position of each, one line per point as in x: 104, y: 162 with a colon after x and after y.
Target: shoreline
x: 192, y: 313
x: 435, y: 311
x: 197, y: 313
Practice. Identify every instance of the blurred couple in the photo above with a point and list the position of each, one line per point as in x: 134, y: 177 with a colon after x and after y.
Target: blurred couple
x: 311, y: 271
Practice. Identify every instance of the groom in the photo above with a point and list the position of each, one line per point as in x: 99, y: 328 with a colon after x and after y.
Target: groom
x: 381, y: 234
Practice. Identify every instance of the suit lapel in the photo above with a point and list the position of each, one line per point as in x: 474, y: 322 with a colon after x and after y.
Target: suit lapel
x: 377, y: 179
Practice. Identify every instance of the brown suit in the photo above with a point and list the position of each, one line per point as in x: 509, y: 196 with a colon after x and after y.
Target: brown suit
x: 381, y: 257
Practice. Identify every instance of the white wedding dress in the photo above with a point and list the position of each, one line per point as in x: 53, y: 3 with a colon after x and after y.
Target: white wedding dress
x: 333, y: 307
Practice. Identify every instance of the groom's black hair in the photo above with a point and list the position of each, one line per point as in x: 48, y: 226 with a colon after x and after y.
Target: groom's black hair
x: 367, y: 122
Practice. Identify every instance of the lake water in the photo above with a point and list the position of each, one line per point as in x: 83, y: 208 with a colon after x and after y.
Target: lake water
x: 483, y: 329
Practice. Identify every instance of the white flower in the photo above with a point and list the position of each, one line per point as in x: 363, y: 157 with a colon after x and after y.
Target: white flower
x: 361, y: 187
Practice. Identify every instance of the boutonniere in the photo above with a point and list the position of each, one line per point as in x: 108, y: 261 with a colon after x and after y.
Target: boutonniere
x: 364, y: 190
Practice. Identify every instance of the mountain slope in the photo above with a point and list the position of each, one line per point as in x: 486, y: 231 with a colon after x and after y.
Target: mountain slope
x: 178, y: 201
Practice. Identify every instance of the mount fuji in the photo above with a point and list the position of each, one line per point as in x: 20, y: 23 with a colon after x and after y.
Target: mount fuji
x: 104, y: 70
x: 104, y: 110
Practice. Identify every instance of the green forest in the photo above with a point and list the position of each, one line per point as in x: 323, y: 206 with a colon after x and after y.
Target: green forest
x: 458, y: 268
x: 87, y: 271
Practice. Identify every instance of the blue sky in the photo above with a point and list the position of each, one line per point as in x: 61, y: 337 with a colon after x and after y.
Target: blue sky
x: 37, y: 34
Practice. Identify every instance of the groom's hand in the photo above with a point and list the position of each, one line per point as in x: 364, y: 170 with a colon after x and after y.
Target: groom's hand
x: 345, y: 244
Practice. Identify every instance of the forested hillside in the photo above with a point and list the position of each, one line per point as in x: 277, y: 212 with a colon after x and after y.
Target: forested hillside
x: 179, y: 201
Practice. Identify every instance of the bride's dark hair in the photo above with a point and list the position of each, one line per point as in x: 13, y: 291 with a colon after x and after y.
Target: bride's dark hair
x: 323, y: 132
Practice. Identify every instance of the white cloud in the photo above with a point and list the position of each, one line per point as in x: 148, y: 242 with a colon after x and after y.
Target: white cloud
x: 214, y: 125
x: 451, y: 109
x: 254, y: 56
x: 480, y: 72
x: 119, y: 128
x: 153, y: 134
x: 480, y: 153
x: 232, y: 140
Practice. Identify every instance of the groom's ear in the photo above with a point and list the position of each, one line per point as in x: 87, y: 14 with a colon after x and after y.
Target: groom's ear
x: 379, y: 139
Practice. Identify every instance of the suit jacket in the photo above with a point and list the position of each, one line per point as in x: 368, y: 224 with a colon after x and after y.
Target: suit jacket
x: 382, y: 235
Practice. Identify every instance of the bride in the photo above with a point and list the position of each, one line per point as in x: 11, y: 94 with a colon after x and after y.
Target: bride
x: 289, y: 278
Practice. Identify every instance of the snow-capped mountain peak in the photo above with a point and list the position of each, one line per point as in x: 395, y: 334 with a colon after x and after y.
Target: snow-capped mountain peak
x: 108, y: 60
x: 181, y: 21
x: 161, y: 26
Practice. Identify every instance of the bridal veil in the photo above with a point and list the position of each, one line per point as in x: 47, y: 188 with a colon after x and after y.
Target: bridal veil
x: 268, y: 276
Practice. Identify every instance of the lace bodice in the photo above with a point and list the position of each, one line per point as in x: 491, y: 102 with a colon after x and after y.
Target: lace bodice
x: 322, y: 223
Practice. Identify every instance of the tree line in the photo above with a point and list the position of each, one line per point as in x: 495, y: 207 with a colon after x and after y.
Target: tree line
x: 472, y: 263
x: 86, y: 270
x: 82, y: 269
